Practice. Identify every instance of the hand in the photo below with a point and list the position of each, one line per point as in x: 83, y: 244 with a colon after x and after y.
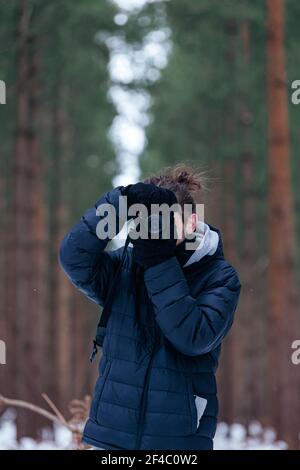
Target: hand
x: 147, y: 253
x: 150, y: 252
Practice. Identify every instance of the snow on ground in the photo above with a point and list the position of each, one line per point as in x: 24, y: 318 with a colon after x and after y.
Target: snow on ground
x: 235, y: 437
x: 61, y: 438
x: 227, y: 437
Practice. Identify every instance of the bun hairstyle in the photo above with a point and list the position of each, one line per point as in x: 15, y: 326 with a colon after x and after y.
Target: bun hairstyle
x: 187, y: 182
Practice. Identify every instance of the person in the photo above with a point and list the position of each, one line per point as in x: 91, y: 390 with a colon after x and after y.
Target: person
x: 171, y: 308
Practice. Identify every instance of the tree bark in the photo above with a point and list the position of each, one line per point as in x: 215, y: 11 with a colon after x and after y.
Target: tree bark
x: 249, y: 393
x: 60, y: 290
x: 229, y: 358
x: 3, y: 313
x: 284, y: 396
x: 27, y: 263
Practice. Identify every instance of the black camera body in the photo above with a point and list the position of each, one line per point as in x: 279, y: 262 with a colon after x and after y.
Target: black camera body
x: 149, y: 227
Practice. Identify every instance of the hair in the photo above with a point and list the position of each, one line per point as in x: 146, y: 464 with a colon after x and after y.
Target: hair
x: 187, y: 182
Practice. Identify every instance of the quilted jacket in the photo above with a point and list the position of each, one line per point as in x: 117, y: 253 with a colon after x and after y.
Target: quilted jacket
x: 156, y: 387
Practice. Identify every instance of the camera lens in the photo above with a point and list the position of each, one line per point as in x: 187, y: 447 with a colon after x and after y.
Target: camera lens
x: 155, y: 223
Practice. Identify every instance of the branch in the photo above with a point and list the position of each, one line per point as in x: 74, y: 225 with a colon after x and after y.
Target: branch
x: 37, y: 409
x: 55, y: 409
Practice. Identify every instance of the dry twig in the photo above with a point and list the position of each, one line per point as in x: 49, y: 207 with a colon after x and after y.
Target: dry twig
x: 78, y: 408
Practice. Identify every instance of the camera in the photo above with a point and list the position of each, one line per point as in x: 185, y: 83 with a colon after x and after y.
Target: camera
x: 152, y: 226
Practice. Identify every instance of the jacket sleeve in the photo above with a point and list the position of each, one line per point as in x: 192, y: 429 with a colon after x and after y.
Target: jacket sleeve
x: 194, y: 325
x: 82, y: 255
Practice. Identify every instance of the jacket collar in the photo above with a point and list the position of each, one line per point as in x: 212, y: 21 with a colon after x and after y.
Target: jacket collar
x: 208, y: 245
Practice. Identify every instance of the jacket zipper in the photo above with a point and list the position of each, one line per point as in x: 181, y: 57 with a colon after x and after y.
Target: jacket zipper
x: 190, y: 393
x: 104, y: 377
x: 192, y: 404
x: 142, y: 410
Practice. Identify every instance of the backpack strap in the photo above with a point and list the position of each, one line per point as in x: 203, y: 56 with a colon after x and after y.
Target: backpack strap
x: 101, y: 327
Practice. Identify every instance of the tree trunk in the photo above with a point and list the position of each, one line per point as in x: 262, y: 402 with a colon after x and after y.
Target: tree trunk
x: 229, y: 358
x: 27, y: 262
x: 4, y: 389
x: 59, y: 300
x: 284, y: 395
x: 249, y: 394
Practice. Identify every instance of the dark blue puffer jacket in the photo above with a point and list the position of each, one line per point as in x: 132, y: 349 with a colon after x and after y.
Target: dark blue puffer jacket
x: 156, y: 387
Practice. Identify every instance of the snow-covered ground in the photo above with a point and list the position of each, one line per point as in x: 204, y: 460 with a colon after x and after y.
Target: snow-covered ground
x: 227, y: 437
x: 235, y: 437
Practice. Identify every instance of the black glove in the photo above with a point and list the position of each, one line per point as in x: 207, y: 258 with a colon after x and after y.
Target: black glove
x: 147, y: 253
